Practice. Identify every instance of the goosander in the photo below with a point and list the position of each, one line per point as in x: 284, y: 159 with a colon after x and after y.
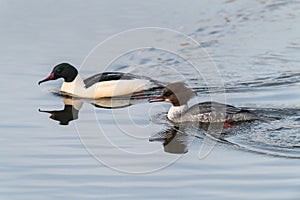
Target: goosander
x: 107, y: 84
x: 179, y: 95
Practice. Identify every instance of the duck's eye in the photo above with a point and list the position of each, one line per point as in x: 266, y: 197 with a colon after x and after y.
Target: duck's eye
x: 59, y: 70
x: 167, y: 94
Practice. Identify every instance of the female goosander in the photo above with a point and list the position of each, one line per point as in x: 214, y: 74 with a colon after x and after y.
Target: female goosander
x: 179, y: 95
x: 107, y: 84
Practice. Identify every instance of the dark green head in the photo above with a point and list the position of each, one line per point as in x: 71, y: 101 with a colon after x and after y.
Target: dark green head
x: 63, y: 70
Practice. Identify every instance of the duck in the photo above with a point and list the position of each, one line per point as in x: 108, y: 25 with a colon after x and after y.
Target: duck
x: 106, y: 84
x: 178, y: 94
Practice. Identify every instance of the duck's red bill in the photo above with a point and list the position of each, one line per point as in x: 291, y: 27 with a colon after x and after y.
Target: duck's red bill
x: 50, y: 77
x: 157, y: 99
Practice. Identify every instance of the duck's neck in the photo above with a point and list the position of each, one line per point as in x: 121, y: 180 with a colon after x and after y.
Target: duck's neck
x: 176, y: 112
x: 76, y: 87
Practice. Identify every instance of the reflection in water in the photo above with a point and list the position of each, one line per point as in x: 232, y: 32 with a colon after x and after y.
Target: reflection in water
x: 277, y: 137
x: 73, y: 105
x: 176, y: 139
x: 173, y: 140
x: 112, y: 103
x: 69, y: 113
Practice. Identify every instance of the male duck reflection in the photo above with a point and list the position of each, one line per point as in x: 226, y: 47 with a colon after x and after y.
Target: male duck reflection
x: 107, y: 84
x: 72, y: 107
x: 69, y: 113
x: 179, y: 95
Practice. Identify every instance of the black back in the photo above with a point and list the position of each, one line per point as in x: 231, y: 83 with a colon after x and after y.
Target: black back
x: 111, y: 76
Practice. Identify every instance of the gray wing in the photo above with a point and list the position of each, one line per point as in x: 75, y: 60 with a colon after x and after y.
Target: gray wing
x: 208, y: 107
x: 217, y: 112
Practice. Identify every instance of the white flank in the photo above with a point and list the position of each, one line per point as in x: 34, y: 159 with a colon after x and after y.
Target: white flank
x: 105, y: 88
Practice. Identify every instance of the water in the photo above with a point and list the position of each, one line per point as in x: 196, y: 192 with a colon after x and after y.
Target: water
x: 255, y: 46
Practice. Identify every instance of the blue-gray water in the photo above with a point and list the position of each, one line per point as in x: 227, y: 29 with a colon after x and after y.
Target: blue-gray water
x: 254, y: 44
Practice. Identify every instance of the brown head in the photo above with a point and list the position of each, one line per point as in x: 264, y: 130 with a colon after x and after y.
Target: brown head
x: 176, y: 93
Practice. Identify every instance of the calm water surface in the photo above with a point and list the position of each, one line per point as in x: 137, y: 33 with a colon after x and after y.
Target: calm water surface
x: 104, y: 153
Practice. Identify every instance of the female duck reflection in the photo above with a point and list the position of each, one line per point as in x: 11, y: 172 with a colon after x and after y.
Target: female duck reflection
x: 177, y: 138
x: 173, y: 140
x: 73, y: 105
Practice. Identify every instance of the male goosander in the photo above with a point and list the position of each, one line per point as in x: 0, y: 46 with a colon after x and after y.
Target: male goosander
x: 179, y: 95
x: 107, y: 84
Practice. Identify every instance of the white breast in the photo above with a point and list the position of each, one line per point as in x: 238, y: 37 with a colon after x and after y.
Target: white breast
x: 75, y: 87
x: 176, y: 112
